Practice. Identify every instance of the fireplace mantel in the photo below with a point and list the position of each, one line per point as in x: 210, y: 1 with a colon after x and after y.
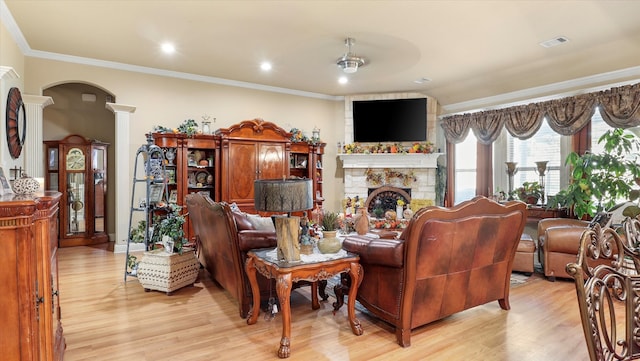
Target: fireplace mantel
x: 390, y: 160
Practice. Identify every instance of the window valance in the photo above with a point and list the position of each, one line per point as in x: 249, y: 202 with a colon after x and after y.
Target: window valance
x: 620, y: 108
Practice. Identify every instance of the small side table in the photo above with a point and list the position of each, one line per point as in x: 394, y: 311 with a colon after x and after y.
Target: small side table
x: 286, y: 273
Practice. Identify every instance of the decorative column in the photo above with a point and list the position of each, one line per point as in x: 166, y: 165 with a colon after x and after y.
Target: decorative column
x: 33, y: 149
x: 122, y: 173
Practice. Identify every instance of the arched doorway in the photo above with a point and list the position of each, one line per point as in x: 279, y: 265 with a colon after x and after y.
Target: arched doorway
x: 79, y: 108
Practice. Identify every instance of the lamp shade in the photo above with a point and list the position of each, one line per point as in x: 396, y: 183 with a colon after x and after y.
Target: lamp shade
x: 283, y: 195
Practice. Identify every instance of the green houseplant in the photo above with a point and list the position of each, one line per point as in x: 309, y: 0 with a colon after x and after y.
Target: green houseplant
x: 170, y: 225
x: 329, y: 243
x: 530, y: 192
x: 600, y: 180
x: 330, y: 221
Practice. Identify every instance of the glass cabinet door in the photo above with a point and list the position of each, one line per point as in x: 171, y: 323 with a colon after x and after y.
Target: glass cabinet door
x: 99, y: 188
x: 52, y: 165
x: 76, y: 203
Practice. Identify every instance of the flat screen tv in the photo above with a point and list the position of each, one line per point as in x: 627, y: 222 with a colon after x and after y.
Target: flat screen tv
x: 391, y: 120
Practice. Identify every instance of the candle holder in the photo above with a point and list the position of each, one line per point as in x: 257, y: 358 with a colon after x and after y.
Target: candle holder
x: 511, y: 171
x: 541, y: 168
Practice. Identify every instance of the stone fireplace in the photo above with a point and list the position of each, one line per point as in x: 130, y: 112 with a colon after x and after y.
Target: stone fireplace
x: 412, y: 175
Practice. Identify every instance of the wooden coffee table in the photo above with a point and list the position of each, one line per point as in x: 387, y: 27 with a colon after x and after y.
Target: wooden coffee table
x: 287, y: 273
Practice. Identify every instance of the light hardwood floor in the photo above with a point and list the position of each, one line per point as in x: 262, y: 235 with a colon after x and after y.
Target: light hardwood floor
x: 105, y: 318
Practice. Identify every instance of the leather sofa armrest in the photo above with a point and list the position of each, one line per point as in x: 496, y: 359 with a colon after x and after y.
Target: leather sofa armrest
x: 252, y: 239
x: 379, y: 251
x: 563, y: 239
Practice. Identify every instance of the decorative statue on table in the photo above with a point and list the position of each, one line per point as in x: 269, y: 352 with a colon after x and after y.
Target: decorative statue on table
x: 362, y: 222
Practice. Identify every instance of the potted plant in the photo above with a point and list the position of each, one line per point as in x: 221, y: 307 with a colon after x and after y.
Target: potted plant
x: 329, y: 242
x: 168, y: 229
x: 530, y: 192
x: 600, y: 180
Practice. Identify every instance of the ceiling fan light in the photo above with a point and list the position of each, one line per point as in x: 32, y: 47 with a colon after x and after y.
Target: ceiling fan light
x: 350, y: 67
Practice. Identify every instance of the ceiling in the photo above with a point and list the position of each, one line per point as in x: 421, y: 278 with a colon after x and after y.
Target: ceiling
x: 473, y: 52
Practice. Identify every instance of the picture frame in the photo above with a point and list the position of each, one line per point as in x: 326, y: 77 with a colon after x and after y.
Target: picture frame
x: 5, y: 186
x: 173, y: 196
x: 156, y: 192
x: 191, y: 160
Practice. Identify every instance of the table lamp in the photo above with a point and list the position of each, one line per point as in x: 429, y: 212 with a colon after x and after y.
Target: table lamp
x: 285, y: 196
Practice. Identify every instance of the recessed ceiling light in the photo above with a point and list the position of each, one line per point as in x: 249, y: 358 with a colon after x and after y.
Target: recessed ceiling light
x: 554, y: 42
x: 266, y: 66
x: 422, y: 80
x: 343, y: 80
x: 168, y: 48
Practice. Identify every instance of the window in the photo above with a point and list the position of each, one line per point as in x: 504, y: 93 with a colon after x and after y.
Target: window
x: 545, y: 145
x: 465, y: 175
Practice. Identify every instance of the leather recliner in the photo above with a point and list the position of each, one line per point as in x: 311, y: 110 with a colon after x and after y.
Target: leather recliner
x: 559, y: 239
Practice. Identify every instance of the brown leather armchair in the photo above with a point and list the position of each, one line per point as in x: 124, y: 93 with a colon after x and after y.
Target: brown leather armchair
x: 559, y: 239
x: 223, y: 239
x: 447, y: 260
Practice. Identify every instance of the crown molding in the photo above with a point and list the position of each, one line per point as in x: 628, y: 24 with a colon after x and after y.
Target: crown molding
x: 7, y: 72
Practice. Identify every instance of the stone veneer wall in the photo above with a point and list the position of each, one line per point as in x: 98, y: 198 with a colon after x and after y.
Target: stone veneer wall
x: 355, y: 182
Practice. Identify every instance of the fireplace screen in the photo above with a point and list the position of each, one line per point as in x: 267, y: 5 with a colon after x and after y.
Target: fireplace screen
x: 386, y: 197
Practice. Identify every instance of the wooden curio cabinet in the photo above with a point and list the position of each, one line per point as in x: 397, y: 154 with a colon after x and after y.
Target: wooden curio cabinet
x: 305, y: 161
x: 251, y: 150
x: 77, y: 168
x: 30, y: 306
x: 192, y: 165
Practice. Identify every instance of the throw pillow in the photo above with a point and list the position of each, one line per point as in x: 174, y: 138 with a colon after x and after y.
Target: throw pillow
x: 261, y: 223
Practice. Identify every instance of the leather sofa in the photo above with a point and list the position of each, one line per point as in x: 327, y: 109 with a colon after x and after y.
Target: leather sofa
x: 559, y: 239
x: 447, y: 260
x: 223, y: 239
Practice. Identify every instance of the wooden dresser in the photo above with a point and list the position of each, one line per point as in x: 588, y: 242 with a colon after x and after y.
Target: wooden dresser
x: 29, y: 301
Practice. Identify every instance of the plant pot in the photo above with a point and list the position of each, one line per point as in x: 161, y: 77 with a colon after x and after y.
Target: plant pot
x: 329, y: 243
x: 306, y: 249
x: 531, y: 200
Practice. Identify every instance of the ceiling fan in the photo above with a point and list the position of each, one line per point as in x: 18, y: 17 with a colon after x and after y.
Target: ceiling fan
x: 349, y: 62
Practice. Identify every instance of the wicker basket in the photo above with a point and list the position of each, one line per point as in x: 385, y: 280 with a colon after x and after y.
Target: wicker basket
x: 162, y: 271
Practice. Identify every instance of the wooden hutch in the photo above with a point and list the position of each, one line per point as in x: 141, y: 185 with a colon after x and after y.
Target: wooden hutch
x: 251, y: 150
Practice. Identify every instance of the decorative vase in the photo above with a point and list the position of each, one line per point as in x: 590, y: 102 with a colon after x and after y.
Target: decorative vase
x: 25, y: 185
x: 362, y: 222
x: 329, y: 243
x: 399, y: 212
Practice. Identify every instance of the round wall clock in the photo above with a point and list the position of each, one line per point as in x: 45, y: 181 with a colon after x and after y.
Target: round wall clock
x: 16, y: 120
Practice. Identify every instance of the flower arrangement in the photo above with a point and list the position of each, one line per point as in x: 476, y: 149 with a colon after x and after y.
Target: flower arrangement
x: 390, y: 223
x: 188, y: 127
x: 401, y: 202
x: 298, y: 136
x: 378, y: 178
x: 357, y: 148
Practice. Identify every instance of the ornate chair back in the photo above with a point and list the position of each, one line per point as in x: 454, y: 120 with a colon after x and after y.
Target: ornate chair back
x: 609, y: 294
